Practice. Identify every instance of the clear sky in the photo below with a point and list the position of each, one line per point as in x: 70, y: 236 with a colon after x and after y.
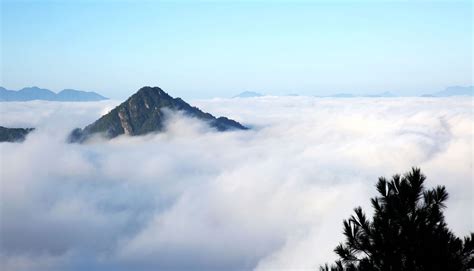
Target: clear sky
x: 196, y: 49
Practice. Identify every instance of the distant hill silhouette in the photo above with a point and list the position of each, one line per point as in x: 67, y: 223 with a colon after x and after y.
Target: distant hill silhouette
x: 142, y: 113
x: 78, y: 96
x: 248, y: 94
x: 36, y: 93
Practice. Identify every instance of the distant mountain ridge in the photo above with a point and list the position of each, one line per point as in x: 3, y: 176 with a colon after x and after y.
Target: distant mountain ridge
x: 36, y: 93
x: 142, y: 113
x: 448, y: 92
x: 453, y: 91
x: 14, y: 134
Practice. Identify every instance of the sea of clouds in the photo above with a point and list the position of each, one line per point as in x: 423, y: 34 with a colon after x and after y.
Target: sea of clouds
x: 271, y: 198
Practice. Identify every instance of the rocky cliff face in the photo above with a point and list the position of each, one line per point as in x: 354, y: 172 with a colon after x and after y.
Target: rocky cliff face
x: 142, y: 113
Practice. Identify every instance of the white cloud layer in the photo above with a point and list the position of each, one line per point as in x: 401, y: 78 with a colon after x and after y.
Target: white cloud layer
x: 272, y: 198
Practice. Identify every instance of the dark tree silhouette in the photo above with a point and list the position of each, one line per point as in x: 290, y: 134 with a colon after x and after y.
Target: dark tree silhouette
x: 407, y: 232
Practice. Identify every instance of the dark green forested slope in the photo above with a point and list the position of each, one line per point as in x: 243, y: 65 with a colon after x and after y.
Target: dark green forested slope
x: 13, y: 134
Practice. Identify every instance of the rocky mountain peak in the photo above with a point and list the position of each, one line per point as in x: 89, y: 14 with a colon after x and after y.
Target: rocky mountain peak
x: 142, y: 113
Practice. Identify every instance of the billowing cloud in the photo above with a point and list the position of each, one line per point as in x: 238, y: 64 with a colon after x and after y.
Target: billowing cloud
x: 193, y: 199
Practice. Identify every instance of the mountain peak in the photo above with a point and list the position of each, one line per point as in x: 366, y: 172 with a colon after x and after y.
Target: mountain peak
x: 151, y: 91
x: 142, y: 113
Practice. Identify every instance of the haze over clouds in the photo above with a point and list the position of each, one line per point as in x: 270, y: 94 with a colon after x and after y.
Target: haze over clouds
x: 193, y: 199
x: 204, y: 49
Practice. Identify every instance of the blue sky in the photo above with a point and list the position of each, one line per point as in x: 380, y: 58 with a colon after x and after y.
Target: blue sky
x: 196, y: 49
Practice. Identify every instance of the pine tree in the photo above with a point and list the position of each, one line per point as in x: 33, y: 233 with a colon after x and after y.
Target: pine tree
x: 407, y: 232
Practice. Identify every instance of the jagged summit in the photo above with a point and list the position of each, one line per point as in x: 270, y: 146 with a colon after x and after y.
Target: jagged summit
x: 142, y: 113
